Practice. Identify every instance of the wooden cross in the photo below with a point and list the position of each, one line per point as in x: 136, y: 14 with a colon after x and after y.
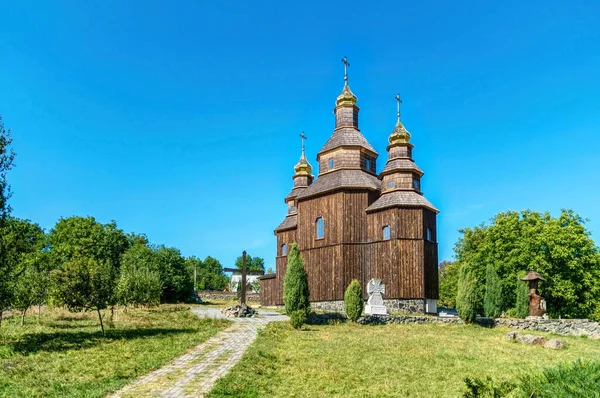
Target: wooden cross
x: 244, y: 272
x: 397, y: 97
x: 303, y: 137
x: 346, y: 65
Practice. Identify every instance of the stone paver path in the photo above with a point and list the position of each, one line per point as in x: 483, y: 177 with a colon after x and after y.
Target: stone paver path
x: 194, y: 373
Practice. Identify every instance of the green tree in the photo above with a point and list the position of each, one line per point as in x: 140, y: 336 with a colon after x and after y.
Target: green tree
x: 6, y: 163
x: 353, y: 300
x: 493, y: 294
x: 522, y: 298
x: 139, y: 287
x: 209, y: 273
x: 252, y: 263
x: 448, y: 275
x: 31, y: 286
x: 295, y: 283
x: 466, y: 297
x: 85, y: 283
x: 560, y: 249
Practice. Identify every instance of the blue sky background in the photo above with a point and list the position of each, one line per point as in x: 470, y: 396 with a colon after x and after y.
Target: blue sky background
x: 181, y: 119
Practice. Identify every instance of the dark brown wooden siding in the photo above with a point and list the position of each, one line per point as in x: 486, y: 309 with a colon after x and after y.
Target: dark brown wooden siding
x: 430, y: 253
x: 269, y: 291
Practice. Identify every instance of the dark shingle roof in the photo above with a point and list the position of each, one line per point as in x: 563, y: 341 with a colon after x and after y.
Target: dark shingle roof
x: 347, y: 136
x: 295, y: 192
x: 290, y: 222
x: 401, y: 164
x: 341, y: 179
x: 401, y: 198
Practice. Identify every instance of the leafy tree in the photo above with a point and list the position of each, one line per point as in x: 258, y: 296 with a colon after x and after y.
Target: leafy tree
x: 270, y: 271
x: 466, y: 297
x: 209, y: 273
x: 493, y: 294
x: 32, y: 284
x: 252, y: 263
x: 353, y: 301
x: 139, y: 287
x: 6, y: 163
x: 560, y: 249
x: 448, y: 272
x: 295, y: 283
x: 85, y: 283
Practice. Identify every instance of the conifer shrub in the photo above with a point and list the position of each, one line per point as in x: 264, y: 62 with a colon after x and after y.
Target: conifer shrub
x: 298, y: 318
x: 522, y: 301
x: 353, y: 301
x: 466, y: 296
x: 295, y: 283
x: 492, y: 300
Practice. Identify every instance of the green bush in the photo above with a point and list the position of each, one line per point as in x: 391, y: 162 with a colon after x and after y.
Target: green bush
x: 466, y: 296
x: 522, y: 301
x: 353, y: 300
x: 577, y: 379
x: 492, y: 299
x: 295, y: 283
x: 298, y: 318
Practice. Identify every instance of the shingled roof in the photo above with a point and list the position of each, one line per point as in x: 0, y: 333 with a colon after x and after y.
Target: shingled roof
x: 341, y: 179
x: 401, y: 198
x: 295, y: 192
x: 290, y: 222
x: 346, y: 136
x: 401, y: 164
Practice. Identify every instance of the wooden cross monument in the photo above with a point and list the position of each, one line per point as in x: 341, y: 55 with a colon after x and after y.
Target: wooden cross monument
x: 245, y: 272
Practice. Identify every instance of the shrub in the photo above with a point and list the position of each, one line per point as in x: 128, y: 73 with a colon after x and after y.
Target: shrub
x: 353, y: 300
x: 466, y: 296
x: 298, y: 318
x: 295, y: 283
x: 522, y: 301
x: 492, y: 300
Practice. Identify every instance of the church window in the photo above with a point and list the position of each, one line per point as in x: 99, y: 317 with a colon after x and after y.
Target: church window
x: 386, y: 232
x: 367, y: 163
x: 284, y: 250
x: 320, y: 228
x: 293, y: 208
x: 391, y: 184
x: 416, y: 184
x: 428, y: 234
x: 331, y: 163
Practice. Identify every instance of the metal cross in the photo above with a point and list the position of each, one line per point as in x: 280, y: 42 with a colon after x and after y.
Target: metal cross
x: 346, y: 65
x: 303, y: 138
x: 397, y: 97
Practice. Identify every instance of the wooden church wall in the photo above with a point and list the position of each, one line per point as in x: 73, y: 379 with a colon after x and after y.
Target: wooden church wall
x: 313, y: 208
x: 432, y: 287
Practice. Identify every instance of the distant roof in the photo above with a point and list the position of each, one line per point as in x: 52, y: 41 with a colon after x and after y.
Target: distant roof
x: 346, y: 136
x: 401, y: 198
x: 402, y: 164
x: 290, y: 222
x: 341, y: 179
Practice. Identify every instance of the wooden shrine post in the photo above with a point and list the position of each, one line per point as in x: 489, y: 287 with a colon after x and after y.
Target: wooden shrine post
x: 242, y: 289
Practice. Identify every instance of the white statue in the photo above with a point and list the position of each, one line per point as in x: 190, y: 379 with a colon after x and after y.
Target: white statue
x: 375, y: 306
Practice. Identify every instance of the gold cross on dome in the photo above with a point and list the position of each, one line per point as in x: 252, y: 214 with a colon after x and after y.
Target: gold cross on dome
x: 346, y: 65
x: 397, y: 98
x: 303, y: 137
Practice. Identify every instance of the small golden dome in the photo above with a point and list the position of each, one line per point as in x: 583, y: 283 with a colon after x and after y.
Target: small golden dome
x: 346, y: 98
x: 400, y: 135
x: 303, y: 167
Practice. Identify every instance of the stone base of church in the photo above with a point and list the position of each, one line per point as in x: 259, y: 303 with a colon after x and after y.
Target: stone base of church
x: 412, y: 306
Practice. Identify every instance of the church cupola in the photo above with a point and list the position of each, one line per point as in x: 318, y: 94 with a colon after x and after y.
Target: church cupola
x: 346, y: 111
x: 302, y: 179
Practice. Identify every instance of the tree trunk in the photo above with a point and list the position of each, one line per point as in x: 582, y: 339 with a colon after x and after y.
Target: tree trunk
x: 101, y: 324
x: 39, y: 312
x: 111, y: 323
x: 1, y: 312
x: 23, y: 317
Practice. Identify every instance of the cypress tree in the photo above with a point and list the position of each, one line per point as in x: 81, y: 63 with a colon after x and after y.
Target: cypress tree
x: 493, y: 293
x: 466, y: 296
x: 295, y: 283
x: 522, y: 301
x: 353, y: 300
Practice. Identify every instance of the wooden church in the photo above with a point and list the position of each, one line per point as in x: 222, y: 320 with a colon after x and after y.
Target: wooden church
x: 352, y: 223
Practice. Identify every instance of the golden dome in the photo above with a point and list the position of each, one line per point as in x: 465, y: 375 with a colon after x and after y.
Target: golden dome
x: 303, y: 167
x: 346, y: 98
x: 400, y: 135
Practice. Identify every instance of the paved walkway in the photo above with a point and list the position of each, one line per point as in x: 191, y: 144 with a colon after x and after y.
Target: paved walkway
x: 194, y: 373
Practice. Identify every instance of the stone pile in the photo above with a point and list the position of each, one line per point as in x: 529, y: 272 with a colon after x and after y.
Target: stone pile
x: 555, y: 344
x: 239, y: 311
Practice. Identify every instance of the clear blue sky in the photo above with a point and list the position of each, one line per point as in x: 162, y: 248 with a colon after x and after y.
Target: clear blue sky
x: 181, y: 119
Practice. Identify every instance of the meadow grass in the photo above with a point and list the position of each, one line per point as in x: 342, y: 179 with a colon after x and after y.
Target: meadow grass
x: 350, y: 360
x: 66, y: 355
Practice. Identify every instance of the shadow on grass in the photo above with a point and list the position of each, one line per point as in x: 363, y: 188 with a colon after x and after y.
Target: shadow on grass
x: 62, y: 341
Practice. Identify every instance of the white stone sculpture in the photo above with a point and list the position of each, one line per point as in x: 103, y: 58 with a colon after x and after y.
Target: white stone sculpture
x: 375, y: 306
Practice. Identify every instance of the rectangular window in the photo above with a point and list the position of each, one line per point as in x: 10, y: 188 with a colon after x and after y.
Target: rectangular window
x: 330, y: 163
x: 367, y: 163
x: 428, y: 234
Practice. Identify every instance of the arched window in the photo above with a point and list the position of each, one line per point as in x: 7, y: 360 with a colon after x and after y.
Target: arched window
x: 284, y: 250
x: 331, y: 163
x: 320, y: 228
x: 386, y: 232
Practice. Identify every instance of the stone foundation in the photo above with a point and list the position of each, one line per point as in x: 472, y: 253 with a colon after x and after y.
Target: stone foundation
x: 411, y: 306
x: 209, y: 295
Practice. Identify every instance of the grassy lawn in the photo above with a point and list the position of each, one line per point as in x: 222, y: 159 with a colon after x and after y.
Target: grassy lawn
x: 65, y: 355
x: 348, y: 360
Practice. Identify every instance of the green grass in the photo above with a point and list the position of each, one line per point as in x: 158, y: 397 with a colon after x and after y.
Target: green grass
x: 66, y: 355
x: 350, y: 360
